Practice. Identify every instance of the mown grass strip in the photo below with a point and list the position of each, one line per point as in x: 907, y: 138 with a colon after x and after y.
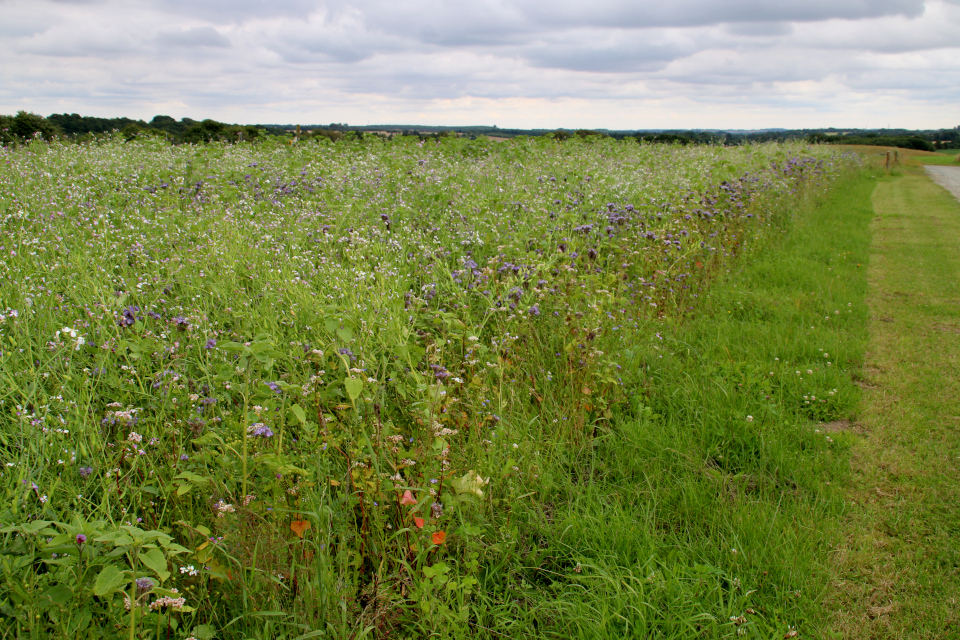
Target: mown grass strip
x: 898, y: 567
x: 709, y: 511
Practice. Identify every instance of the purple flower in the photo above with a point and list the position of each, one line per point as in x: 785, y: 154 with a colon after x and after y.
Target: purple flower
x: 211, y: 344
x: 184, y: 457
x: 85, y: 471
x: 129, y: 316
x: 440, y: 372
x: 259, y: 430
x: 534, y: 310
x: 274, y: 387
x: 181, y: 323
x: 81, y: 538
x: 144, y: 584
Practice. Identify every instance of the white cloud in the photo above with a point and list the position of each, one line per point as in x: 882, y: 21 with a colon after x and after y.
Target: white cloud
x: 193, y: 37
x: 606, y: 63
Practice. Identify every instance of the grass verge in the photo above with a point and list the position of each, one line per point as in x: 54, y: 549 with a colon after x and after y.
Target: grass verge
x: 898, y: 566
x: 707, y: 513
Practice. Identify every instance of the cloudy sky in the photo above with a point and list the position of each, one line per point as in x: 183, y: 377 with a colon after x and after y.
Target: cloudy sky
x: 618, y: 64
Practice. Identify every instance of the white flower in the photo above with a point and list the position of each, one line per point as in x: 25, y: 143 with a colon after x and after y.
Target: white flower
x: 749, y: 418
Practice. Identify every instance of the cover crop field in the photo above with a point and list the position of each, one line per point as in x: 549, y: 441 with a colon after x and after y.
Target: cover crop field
x: 406, y: 389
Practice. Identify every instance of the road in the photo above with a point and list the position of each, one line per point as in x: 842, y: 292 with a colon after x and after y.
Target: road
x: 946, y: 177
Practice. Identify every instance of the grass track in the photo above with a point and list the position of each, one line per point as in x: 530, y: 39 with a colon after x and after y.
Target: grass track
x: 714, y: 513
x: 899, y: 565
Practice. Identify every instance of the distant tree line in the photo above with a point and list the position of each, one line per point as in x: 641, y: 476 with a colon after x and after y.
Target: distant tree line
x: 26, y: 126
x: 874, y: 139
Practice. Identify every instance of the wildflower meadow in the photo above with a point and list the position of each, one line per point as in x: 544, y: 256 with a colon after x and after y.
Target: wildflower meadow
x: 381, y: 389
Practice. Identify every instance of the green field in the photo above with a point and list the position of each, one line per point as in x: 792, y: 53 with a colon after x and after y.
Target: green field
x: 402, y: 390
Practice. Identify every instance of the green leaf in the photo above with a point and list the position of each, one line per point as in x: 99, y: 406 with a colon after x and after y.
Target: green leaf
x: 208, y: 438
x: 298, y: 412
x: 35, y: 526
x: 203, y: 632
x: 345, y: 334
x: 59, y: 594
x: 116, y: 537
x: 155, y: 561
x: 354, y: 387
x: 109, y: 580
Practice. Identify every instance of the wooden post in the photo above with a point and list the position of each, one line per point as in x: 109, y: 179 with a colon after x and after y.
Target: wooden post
x: 888, y: 160
x: 298, y: 134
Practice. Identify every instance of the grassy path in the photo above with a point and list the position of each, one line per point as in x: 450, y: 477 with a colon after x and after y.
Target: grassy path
x: 899, y: 565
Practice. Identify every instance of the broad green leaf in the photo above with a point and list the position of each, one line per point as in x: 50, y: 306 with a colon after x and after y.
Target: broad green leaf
x: 345, y: 334
x: 59, y: 594
x: 117, y: 538
x: 298, y: 412
x: 155, y: 561
x: 354, y: 387
x: 109, y: 580
x: 35, y: 526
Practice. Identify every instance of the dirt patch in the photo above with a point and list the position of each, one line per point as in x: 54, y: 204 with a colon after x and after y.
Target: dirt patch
x: 840, y: 426
x: 947, y: 328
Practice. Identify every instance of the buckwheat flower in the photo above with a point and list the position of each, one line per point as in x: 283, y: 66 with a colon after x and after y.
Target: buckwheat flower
x: 133, y: 436
x: 43, y: 499
x: 167, y: 601
x: 222, y: 508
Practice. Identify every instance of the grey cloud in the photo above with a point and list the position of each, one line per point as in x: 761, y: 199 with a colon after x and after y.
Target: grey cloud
x: 195, y: 37
x: 607, y: 52
x: 759, y: 29
x: 233, y: 11
x: 68, y: 43
x: 616, y: 13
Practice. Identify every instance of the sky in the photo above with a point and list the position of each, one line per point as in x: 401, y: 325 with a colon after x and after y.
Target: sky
x: 613, y: 64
